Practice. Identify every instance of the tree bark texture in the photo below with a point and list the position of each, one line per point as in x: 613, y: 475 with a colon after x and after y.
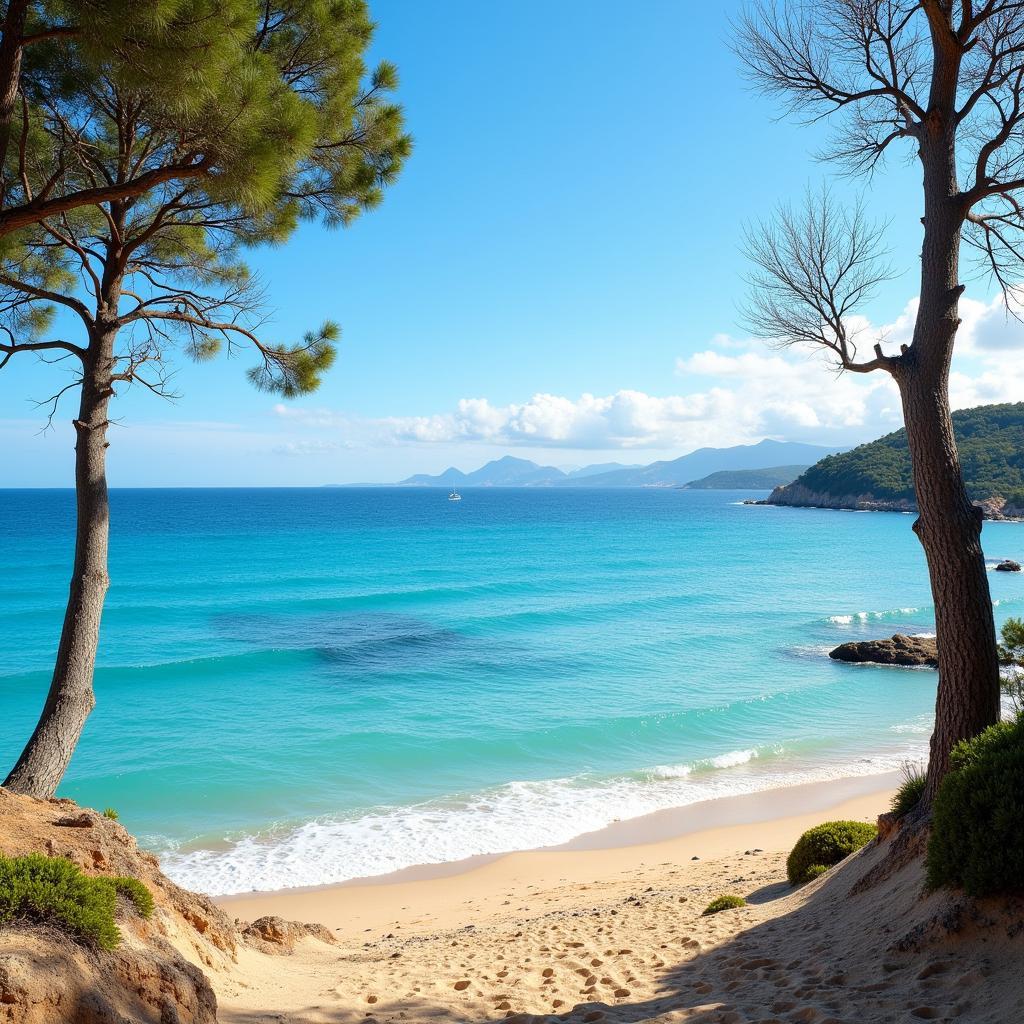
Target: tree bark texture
x: 70, y: 698
x: 948, y: 525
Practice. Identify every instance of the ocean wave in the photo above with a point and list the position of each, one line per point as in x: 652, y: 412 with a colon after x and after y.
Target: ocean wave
x: 890, y: 613
x: 920, y: 726
x: 733, y: 758
x: 516, y: 816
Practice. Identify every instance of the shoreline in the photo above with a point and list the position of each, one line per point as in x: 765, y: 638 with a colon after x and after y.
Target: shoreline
x: 897, y: 507
x: 467, y: 892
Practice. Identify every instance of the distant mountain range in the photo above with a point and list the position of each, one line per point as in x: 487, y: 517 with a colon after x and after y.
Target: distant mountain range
x: 777, y: 456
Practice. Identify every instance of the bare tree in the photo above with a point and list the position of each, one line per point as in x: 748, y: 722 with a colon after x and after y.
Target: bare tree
x: 946, y: 77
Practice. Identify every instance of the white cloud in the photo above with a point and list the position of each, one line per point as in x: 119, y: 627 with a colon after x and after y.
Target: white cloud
x: 735, y: 391
x: 312, y: 446
x: 766, y: 395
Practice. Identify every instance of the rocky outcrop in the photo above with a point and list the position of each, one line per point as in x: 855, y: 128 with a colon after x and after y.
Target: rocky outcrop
x: 157, y: 974
x: 45, y: 977
x: 154, y: 976
x: 276, y: 935
x: 897, y: 650
x: 796, y: 495
x: 998, y: 507
x: 1008, y: 565
x: 101, y: 846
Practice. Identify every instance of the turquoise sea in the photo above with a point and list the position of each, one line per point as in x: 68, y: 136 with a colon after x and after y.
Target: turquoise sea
x: 304, y: 686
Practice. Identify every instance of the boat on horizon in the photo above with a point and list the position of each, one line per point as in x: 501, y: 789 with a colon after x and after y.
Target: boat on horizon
x: 455, y: 496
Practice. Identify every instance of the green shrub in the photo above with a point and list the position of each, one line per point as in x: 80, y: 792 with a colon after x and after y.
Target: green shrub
x: 134, y: 890
x: 908, y: 796
x: 977, y: 838
x: 825, y: 845
x: 55, y: 890
x: 109, y: 812
x: 720, y: 903
x: 814, y: 871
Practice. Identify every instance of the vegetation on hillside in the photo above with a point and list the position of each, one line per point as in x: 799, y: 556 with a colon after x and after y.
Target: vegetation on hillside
x: 910, y: 790
x: 824, y: 845
x: 758, y: 479
x: 976, y: 841
x: 990, y: 440
x: 56, y: 891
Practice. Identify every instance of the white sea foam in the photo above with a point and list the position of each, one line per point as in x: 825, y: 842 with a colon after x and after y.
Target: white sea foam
x: 733, y: 758
x: 846, y: 620
x: 516, y: 816
x: 920, y: 726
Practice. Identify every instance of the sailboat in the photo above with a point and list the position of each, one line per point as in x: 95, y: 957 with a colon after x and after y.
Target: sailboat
x: 455, y: 496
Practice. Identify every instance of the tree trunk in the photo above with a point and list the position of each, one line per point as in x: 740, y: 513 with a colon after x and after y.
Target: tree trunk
x: 70, y: 699
x: 10, y: 74
x: 948, y: 524
x: 949, y: 528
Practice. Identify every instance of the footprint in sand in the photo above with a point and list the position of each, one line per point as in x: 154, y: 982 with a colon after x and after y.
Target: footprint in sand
x: 805, y: 1015
x: 935, y: 967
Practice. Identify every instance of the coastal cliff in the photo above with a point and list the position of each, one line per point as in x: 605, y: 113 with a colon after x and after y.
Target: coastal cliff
x: 163, y: 962
x: 799, y: 495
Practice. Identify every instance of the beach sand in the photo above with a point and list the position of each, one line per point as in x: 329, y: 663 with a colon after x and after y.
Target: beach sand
x: 476, y: 891
x: 616, y: 933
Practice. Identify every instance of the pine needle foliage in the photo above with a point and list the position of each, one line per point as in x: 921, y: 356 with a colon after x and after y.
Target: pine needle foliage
x: 1011, y: 657
x: 197, y: 130
x: 224, y: 124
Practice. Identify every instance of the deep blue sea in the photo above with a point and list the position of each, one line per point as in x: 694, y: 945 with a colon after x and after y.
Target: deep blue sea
x: 303, y: 686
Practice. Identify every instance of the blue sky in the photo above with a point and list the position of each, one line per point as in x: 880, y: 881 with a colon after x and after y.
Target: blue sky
x: 556, y: 274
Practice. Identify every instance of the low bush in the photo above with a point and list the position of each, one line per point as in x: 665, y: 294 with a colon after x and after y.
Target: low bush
x: 720, y: 903
x: 977, y: 838
x: 109, y: 812
x: 824, y: 845
x: 54, y: 890
x: 908, y: 796
x: 132, y: 889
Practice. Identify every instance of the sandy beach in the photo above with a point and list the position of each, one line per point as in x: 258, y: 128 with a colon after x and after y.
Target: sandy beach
x: 589, y: 933
x: 611, y: 928
x: 616, y: 933
x: 477, y: 891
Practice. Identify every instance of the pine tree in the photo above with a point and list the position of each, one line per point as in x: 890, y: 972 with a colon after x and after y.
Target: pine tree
x: 285, y: 123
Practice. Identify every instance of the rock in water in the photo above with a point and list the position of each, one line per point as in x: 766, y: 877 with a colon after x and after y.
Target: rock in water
x: 1008, y: 565
x: 899, y: 650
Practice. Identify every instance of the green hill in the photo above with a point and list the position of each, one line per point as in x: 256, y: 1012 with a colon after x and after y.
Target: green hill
x: 990, y: 439
x: 755, y: 479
